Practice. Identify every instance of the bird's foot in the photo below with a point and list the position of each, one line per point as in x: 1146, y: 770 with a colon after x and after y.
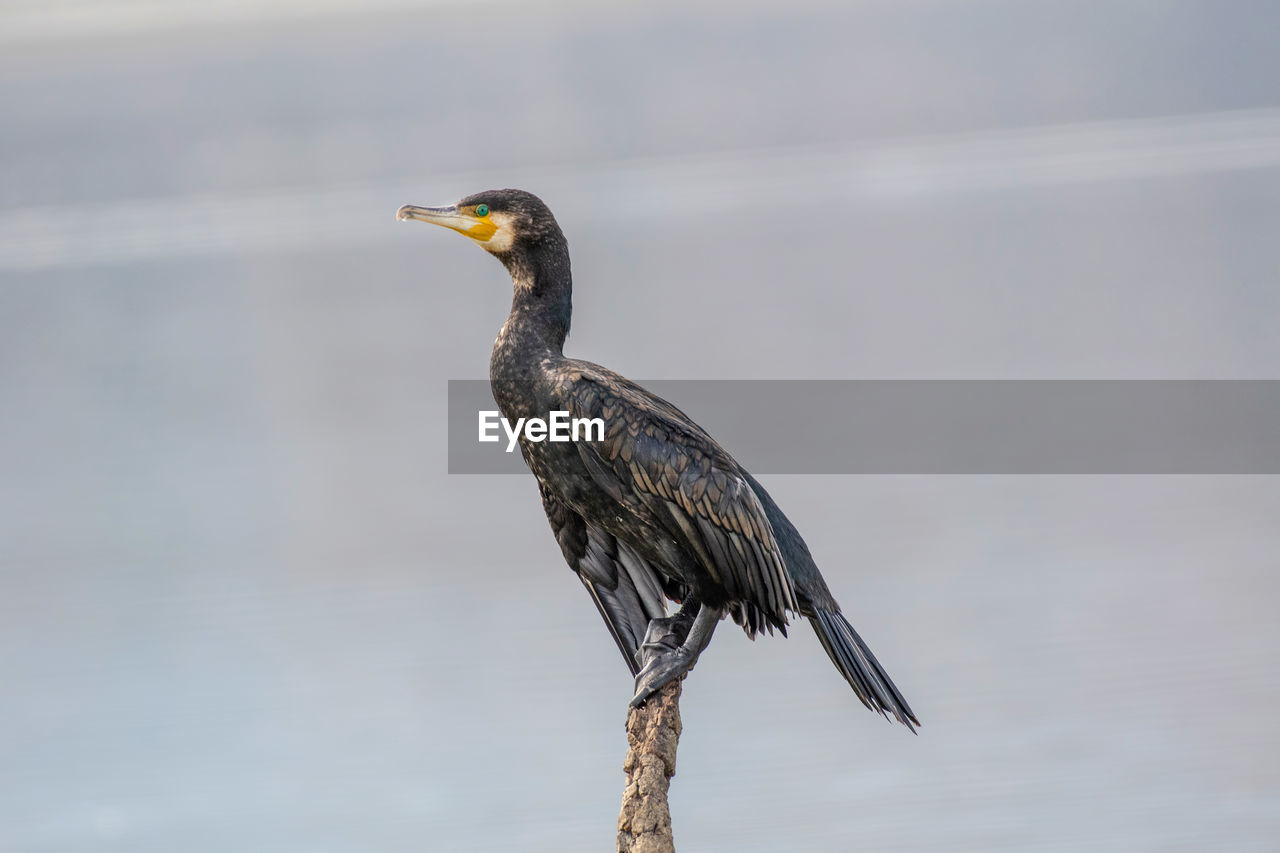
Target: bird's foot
x: 663, y: 664
x: 660, y: 670
x: 662, y: 637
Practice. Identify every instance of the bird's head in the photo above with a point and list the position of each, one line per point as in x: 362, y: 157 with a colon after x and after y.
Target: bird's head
x: 502, y: 222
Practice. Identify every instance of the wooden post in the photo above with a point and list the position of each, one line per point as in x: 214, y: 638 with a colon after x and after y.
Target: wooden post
x: 653, y: 733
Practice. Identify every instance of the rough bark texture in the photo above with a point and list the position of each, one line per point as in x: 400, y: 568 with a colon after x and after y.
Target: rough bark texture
x: 653, y: 732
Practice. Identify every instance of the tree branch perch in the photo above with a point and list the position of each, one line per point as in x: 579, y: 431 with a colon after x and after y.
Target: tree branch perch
x: 653, y: 733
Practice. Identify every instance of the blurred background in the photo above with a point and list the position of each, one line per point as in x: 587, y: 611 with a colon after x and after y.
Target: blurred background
x: 242, y: 605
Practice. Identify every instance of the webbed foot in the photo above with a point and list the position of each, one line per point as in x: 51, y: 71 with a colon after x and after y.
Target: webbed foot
x: 662, y: 637
x: 661, y: 670
x: 665, y: 656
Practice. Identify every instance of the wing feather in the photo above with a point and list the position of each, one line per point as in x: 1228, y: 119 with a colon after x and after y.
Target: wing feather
x: 626, y: 590
x: 653, y: 457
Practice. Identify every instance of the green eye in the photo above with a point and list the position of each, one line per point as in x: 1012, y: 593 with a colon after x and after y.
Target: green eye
x: 482, y: 210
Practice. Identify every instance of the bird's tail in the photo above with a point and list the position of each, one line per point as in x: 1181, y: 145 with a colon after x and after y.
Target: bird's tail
x: 860, y: 668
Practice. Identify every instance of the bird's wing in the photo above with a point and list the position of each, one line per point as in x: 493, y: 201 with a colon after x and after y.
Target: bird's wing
x: 654, y: 458
x: 626, y: 590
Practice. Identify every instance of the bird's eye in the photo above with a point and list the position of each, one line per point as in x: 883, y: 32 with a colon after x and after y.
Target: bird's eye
x: 482, y: 210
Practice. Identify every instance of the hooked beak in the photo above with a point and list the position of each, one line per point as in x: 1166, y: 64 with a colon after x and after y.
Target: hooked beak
x: 451, y: 217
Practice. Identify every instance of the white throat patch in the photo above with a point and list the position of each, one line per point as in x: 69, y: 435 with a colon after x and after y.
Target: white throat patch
x: 504, y: 237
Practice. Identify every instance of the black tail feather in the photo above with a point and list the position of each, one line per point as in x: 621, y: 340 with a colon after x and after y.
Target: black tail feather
x: 860, y: 668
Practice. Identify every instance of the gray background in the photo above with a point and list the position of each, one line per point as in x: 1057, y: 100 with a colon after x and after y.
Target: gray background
x: 242, y: 605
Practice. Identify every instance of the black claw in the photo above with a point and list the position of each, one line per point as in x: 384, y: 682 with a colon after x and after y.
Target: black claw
x: 660, y: 671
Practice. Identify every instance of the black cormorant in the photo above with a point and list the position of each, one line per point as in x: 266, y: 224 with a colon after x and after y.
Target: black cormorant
x: 656, y: 510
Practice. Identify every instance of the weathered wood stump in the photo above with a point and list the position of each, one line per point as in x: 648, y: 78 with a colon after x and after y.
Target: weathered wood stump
x: 653, y: 732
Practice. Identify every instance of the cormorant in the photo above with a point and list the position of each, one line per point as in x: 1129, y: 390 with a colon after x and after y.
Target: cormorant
x: 657, y: 509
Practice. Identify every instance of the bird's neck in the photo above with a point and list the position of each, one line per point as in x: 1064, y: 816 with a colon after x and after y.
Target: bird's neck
x: 543, y: 302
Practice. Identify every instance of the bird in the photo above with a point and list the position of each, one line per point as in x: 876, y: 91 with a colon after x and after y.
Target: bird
x: 655, y: 510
